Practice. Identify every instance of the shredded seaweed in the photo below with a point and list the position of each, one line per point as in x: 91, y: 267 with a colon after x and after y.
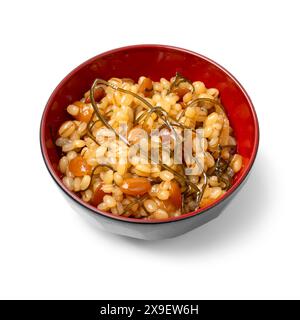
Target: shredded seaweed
x: 158, y: 110
x: 201, y: 100
x: 135, y: 201
x: 102, y: 165
x: 90, y: 126
x: 189, y: 188
x: 178, y: 80
x: 162, y: 114
x: 99, y: 115
x: 204, y: 186
x: 220, y: 169
x: 182, y: 203
x: 196, y: 102
x: 184, y: 182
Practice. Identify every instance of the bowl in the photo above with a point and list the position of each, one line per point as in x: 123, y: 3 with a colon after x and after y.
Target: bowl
x: 154, y: 61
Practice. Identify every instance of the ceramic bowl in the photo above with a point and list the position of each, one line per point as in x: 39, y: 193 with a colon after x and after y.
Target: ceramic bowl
x: 154, y: 61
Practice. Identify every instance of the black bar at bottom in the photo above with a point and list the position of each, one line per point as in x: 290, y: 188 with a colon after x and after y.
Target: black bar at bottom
x: 141, y: 309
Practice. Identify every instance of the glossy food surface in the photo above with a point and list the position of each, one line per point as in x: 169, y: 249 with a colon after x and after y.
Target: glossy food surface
x: 154, y: 62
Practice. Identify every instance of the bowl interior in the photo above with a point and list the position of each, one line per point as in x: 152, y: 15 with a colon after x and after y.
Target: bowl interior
x: 154, y: 62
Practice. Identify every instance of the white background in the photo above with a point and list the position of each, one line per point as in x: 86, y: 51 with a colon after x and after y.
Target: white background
x: 48, y: 251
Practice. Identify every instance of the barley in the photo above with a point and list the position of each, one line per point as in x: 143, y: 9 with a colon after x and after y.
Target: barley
x: 211, y: 119
x: 166, y: 185
x: 215, y: 192
x: 236, y: 163
x: 97, y: 183
x: 150, y: 205
x: 82, y: 128
x: 100, y: 152
x: 213, y: 181
x: 213, y: 142
x: 199, y: 87
x: 160, y: 214
x: 108, y: 177
x: 163, y: 195
x: 120, y: 208
x: 87, y: 196
x: 166, y: 175
x: 165, y: 83
x: 66, y: 129
x: 77, y: 182
x: 74, y: 136
x: 118, y: 178
x: 187, y: 97
x: 215, y: 134
x: 154, y: 190
x: 209, y: 159
x: 78, y: 144
x: 207, y: 192
x: 102, y: 206
x: 63, y: 164
x: 85, y: 182
x: 121, y: 169
x: 213, y: 92
x: 107, y: 188
x: 208, y: 131
x: 126, y: 100
x: 109, y: 201
x: 73, y: 110
x: 140, y: 173
x: 144, y: 168
x: 157, y: 87
x: 60, y: 142
x: 67, y: 147
x: 231, y: 141
x: 190, y: 112
x: 68, y: 182
x: 225, y: 154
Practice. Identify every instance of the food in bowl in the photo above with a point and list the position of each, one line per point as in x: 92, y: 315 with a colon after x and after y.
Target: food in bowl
x: 148, y: 149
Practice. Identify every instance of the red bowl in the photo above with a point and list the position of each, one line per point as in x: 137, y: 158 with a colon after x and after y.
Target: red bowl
x: 154, y: 61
